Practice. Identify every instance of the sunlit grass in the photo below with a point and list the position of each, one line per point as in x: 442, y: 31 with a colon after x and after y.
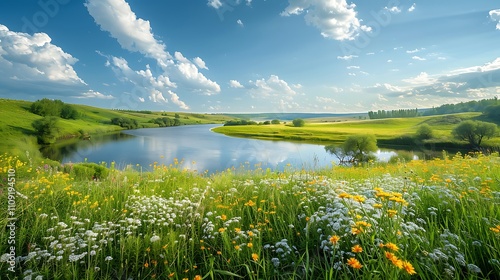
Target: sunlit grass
x: 382, y: 129
x: 434, y: 219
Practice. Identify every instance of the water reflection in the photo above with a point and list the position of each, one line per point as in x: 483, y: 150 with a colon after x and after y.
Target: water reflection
x: 198, y: 149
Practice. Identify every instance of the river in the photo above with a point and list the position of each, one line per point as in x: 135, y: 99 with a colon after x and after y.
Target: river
x: 196, y: 148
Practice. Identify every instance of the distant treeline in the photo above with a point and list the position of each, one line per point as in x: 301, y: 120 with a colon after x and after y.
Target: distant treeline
x: 402, y: 113
x: 489, y: 107
x: 462, y: 107
x: 247, y: 122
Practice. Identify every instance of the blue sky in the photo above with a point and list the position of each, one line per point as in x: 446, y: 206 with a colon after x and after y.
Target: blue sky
x: 250, y: 55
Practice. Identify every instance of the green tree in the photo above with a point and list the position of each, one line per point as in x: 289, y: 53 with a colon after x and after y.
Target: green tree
x: 424, y: 131
x: 356, y: 148
x: 46, y: 129
x: 474, y: 132
x: 298, y: 122
x: 275, y: 122
x: 68, y: 112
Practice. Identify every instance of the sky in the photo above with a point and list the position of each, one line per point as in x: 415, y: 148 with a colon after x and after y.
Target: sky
x: 221, y: 56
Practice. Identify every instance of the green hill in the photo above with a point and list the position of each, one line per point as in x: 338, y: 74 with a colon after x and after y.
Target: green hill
x: 17, y: 134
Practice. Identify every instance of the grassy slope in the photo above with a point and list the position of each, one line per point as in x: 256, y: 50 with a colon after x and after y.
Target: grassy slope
x: 16, y: 132
x: 383, y: 129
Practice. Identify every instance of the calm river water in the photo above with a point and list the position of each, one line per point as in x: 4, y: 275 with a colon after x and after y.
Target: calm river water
x: 196, y: 147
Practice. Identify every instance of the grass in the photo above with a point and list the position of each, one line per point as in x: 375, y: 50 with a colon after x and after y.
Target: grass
x: 17, y: 134
x: 434, y: 219
x: 383, y: 129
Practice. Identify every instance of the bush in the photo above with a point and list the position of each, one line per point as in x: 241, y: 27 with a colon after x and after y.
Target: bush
x: 424, y: 132
x: 298, y: 122
x: 46, y: 129
x: 125, y: 123
x: 275, y: 122
x: 55, y: 108
x: 86, y: 171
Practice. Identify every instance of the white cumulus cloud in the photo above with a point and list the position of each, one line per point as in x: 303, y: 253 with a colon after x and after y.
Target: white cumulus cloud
x: 214, y: 3
x: 334, y: 18
x: 132, y: 33
x: 135, y: 34
x: 200, y: 63
x: 33, y: 63
x: 273, y: 86
x: 235, y: 84
x: 416, y: 57
x: 412, y: 8
x: 239, y: 22
x: 495, y: 16
x: 95, y: 94
x: 393, y: 10
x: 347, y: 57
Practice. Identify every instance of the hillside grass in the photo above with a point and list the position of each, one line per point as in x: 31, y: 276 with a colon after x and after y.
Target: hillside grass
x: 383, y: 129
x: 435, y: 219
x: 17, y: 134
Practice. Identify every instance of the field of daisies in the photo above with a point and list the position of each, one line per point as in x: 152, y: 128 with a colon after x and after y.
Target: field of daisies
x: 436, y: 219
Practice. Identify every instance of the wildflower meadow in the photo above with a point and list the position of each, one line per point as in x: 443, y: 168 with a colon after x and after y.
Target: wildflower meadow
x: 434, y: 219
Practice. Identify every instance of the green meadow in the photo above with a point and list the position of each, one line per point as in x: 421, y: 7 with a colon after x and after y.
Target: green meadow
x: 336, y: 131
x: 435, y: 219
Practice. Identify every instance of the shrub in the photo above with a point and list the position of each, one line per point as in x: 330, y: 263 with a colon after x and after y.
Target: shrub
x: 86, y: 171
x: 424, y: 132
x: 298, y: 122
x: 46, y: 129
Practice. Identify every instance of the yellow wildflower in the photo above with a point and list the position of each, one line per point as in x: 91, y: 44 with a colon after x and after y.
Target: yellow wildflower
x: 334, y: 239
x: 354, y: 263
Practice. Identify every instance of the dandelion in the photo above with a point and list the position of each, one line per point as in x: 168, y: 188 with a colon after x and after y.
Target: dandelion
x: 357, y: 249
x: 334, y: 239
x: 108, y: 258
x: 250, y: 203
x: 354, y: 263
x: 495, y: 229
x: 356, y: 230
x: 221, y: 230
x: 392, y: 246
x: 197, y: 277
x: 146, y: 264
x: 255, y: 257
x: 408, y: 267
x: 392, y: 212
x: 223, y: 217
x: 249, y: 245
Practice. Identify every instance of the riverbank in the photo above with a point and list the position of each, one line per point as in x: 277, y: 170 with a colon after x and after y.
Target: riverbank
x: 389, y: 132
x: 18, y: 136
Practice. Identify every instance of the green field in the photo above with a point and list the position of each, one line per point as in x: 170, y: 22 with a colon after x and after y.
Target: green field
x: 328, y: 132
x: 16, y: 132
x: 435, y: 219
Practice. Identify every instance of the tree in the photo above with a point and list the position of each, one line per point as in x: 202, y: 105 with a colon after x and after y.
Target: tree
x: 46, y: 129
x: 298, y: 122
x: 68, y: 112
x: 356, y: 148
x: 275, y: 122
x: 474, y: 132
x: 424, y: 131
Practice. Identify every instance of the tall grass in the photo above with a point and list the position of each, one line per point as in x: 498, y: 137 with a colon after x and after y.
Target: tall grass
x: 435, y: 219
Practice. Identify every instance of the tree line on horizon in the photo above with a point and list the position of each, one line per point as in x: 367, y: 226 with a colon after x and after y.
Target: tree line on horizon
x: 489, y: 107
x: 401, y: 113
